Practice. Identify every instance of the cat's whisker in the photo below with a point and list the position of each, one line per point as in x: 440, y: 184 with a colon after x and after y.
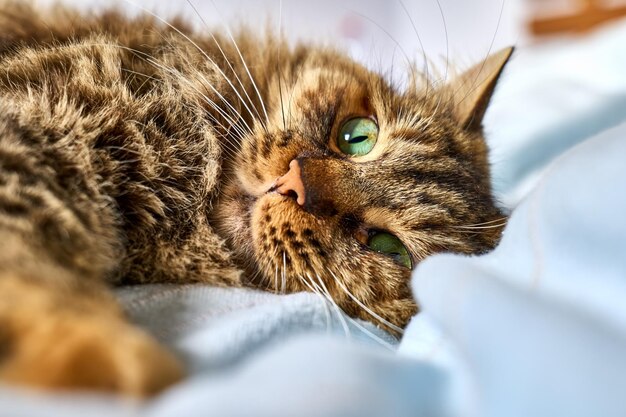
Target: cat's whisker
x: 340, y: 314
x: 257, y: 275
x: 385, y: 31
x: 498, y: 220
x: 219, y: 47
x: 227, y: 146
x: 447, y: 67
x: 280, y: 75
x: 228, y: 104
x: 419, y: 39
x: 187, y: 38
x: 327, y: 313
x: 474, y: 85
x: 235, y: 112
x: 363, y: 306
x: 314, y: 287
x: 245, y: 65
x: 371, y: 335
x: 338, y: 311
x: 172, y: 71
x: 445, y: 29
x: 493, y: 226
x: 283, y: 283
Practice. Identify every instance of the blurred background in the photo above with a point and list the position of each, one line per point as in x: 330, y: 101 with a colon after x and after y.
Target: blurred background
x: 376, y: 30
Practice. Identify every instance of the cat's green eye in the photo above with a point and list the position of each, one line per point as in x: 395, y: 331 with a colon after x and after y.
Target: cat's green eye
x: 357, y: 136
x: 390, y: 245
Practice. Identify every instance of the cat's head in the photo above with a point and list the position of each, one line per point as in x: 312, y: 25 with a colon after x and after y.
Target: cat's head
x: 348, y: 184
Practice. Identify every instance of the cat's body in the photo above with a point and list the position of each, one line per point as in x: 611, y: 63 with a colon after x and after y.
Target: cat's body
x: 133, y: 152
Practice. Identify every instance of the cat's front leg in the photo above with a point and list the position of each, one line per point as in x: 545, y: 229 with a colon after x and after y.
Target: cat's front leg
x: 68, y: 338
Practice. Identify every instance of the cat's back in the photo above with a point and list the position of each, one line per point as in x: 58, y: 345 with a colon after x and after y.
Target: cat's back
x: 114, y: 110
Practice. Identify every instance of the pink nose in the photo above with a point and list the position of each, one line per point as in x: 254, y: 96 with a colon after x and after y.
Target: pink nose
x: 291, y: 183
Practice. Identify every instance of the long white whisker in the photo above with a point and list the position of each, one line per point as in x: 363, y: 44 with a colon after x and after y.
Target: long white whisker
x: 243, y: 61
x: 149, y: 59
x: 371, y: 335
x: 283, y: 284
x: 227, y: 148
x: 473, y: 85
x: 219, y: 47
x: 199, y: 50
x: 326, y: 308
x: 340, y: 315
x: 419, y: 39
x: 280, y: 75
x: 364, y: 307
x: 224, y: 100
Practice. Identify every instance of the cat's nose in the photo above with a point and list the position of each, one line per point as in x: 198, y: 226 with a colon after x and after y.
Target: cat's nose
x: 291, y: 183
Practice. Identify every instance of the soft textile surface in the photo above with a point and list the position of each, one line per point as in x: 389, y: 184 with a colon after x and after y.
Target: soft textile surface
x: 536, y: 328
x: 552, y: 97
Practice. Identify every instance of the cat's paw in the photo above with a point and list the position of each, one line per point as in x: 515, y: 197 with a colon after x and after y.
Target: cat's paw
x: 73, y: 351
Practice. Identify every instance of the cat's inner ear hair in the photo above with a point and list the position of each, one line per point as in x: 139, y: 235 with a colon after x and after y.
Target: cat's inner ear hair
x: 472, y: 90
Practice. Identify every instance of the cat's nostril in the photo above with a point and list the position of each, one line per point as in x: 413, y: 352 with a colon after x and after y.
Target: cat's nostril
x: 291, y: 183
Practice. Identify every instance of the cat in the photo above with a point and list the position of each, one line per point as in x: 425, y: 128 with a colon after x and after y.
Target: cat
x: 134, y: 151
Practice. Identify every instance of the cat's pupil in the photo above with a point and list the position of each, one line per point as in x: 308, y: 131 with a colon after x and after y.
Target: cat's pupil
x: 356, y: 139
x: 391, y: 246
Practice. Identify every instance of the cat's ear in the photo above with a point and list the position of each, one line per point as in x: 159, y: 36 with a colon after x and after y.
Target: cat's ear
x: 473, y: 89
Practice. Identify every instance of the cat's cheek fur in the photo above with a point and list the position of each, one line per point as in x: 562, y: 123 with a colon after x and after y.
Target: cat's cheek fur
x: 299, y: 251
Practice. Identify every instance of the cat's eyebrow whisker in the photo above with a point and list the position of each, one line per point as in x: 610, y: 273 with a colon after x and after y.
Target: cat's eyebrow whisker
x: 219, y: 47
x: 445, y: 77
x: 245, y: 65
x: 385, y: 31
x: 445, y: 29
x: 207, y: 83
x: 363, y: 306
x: 187, y: 38
x: 419, y: 39
x: 227, y: 146
x: 180, y: 76
x: 474, y: 85
x: 280, y: 75
x: 493, y: 226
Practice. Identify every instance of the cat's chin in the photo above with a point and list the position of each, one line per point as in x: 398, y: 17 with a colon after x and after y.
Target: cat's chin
x: 247, y: 221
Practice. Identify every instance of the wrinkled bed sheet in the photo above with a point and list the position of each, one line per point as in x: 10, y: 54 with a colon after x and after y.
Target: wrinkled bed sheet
x: 535, y: 328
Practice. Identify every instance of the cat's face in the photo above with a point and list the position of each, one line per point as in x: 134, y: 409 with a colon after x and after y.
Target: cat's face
x: 349, y: 184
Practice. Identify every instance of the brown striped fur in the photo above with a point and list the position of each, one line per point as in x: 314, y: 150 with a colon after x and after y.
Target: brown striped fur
x: 121, y: 163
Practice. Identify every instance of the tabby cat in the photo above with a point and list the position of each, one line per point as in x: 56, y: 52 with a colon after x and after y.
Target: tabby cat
x: 134, y: 151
